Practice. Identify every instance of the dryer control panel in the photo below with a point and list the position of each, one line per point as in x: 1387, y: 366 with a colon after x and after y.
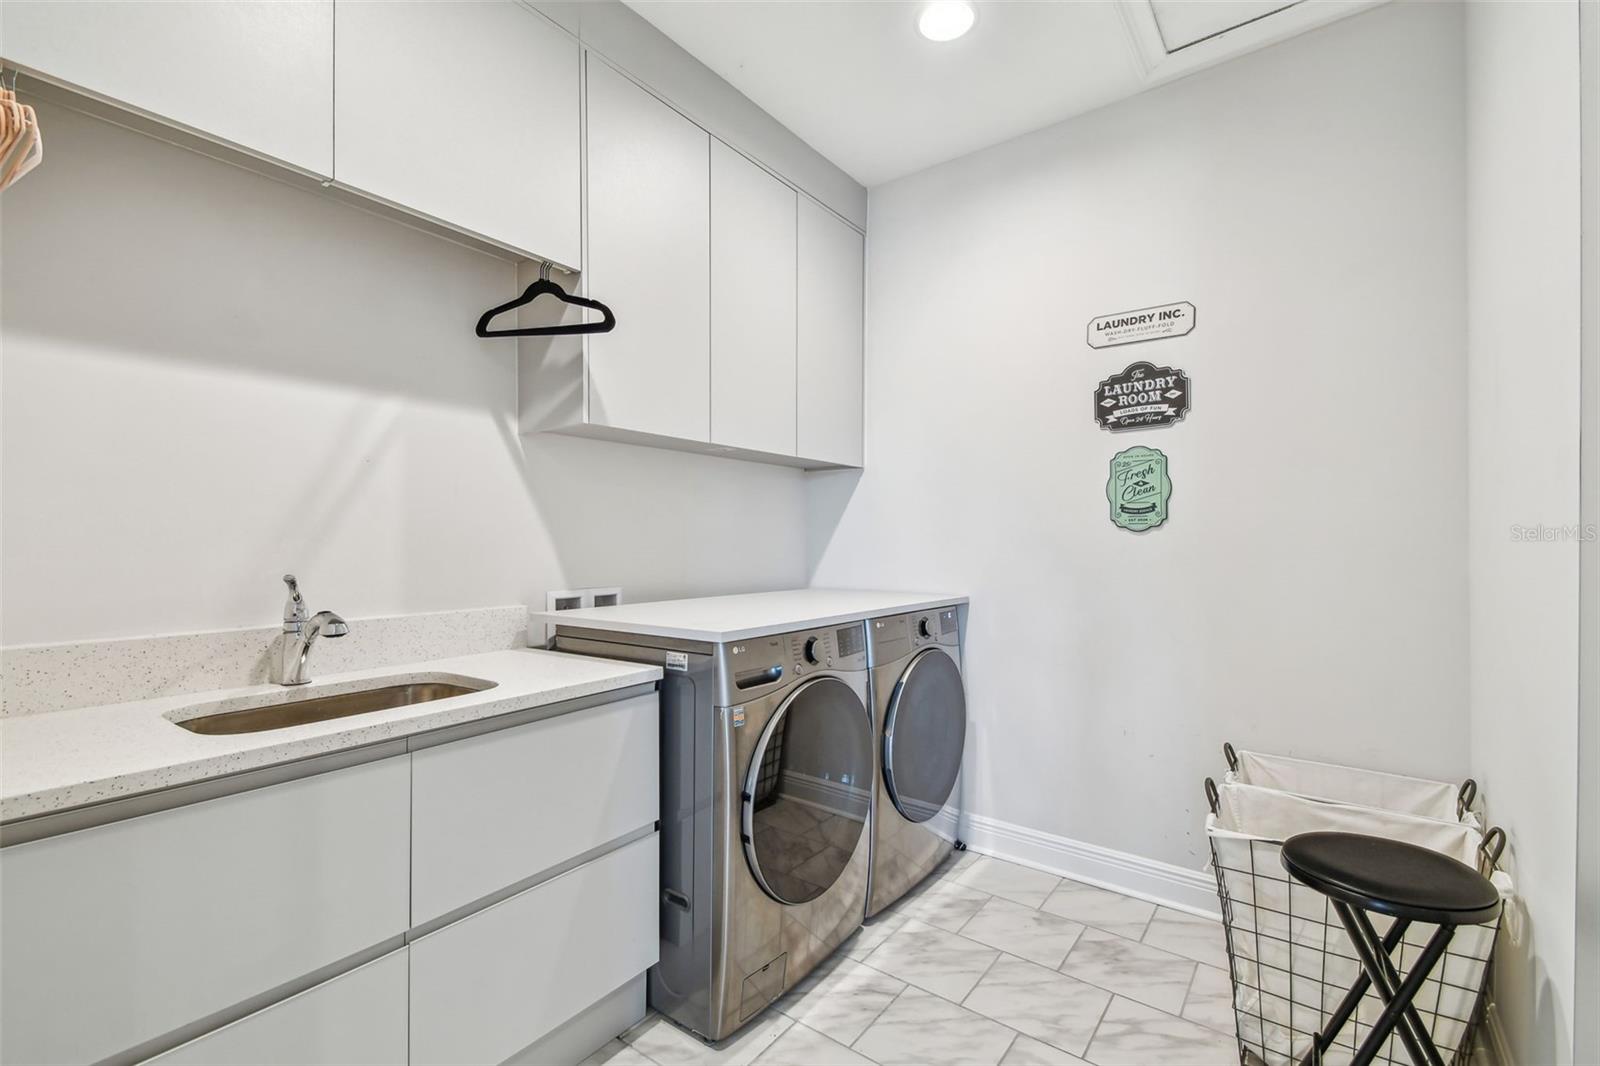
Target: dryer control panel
x: 941, y: 626
x: 897, y: 636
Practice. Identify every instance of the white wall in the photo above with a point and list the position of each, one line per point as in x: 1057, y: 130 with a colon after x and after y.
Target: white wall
x: 1307, y: 595
x: 1586, y: 983
x: 210, y: 378
x: 1523, y: 300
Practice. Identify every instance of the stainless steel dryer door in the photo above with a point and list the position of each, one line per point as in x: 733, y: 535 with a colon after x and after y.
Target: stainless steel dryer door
x: 924, y: 732
x: 807, y: 791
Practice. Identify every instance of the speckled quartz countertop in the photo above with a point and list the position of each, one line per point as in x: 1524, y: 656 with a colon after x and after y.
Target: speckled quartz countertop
x: 62, y: 759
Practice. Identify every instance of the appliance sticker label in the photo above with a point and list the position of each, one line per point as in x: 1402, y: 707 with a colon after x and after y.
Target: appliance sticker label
x: 678, y: 660
x: 737, y: 716
x: 1142, y: 324
x: 1138, y: 489
x: 1143, y: 396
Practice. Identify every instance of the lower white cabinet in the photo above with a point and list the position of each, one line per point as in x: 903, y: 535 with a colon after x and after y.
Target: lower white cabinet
x: 209, y: 921
x: 356, y: 1019
x: 118, y: 934
x: 492, y: 810
x: 486, y: 987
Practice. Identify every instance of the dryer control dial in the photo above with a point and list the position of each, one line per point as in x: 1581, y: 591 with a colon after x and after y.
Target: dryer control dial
x: 924, y: 628
x: 813, y: 656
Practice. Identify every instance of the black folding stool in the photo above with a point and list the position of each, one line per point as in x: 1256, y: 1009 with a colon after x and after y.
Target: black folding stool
x: 1410, y: 884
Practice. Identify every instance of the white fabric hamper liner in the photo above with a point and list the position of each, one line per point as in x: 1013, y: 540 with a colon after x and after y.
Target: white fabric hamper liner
x: 1348, y: 784
x: 1291, y: 960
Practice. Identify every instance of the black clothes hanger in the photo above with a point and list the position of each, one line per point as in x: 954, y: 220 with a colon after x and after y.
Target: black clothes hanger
x: 533, y: 292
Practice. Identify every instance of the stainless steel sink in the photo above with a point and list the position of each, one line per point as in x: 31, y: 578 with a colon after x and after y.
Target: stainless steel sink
x: 291, y: 711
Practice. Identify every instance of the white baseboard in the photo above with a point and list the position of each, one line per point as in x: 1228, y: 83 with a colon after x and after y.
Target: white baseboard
x: 1194, y: 891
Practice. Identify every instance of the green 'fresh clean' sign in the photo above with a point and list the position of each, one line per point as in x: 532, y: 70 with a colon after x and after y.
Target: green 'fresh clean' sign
x: 1139, y: 488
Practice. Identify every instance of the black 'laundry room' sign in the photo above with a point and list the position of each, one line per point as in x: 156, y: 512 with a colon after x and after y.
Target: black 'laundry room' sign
x: 1143, y: 396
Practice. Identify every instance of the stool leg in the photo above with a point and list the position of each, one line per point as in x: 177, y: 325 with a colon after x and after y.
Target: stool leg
x: 1419, y: 1045
x: 1412, y: 1032
x: 1352, y: 999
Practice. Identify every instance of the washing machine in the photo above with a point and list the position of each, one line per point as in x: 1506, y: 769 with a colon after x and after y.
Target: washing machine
x: 766, y: 797
x: 920, y: 730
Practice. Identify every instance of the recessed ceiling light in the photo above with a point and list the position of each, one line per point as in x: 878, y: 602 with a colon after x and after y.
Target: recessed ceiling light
x: 945, y: 20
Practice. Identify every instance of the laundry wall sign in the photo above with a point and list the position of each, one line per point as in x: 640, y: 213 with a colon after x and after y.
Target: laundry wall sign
x: 1141, y: 324
x: 1143, y: 396
x: 1139, y: 488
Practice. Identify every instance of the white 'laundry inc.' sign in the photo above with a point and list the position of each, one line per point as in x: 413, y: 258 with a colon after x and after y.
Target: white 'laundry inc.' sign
x: 1142, y: 324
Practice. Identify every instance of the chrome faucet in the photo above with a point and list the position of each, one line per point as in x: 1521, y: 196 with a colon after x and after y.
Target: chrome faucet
x: 300, y: 632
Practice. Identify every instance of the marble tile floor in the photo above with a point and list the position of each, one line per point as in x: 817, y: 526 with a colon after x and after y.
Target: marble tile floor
x: 987, y: 963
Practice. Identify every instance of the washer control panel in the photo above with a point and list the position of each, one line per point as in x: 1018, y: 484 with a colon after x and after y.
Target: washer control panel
x: 751, y: 668
x: 835, y: 648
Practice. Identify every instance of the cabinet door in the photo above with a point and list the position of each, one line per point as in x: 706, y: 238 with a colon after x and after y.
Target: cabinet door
x: 830, y: 343
x: 492, y: 810
x: 486, y: 987
x: 649, y: 259
x: 117, y: 934
x: 356, y: 1019
x: 752, y: 305
x: 259, y: 76
x: 465, y: 111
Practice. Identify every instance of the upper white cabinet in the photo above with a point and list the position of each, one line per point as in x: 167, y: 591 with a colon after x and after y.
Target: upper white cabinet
x: 738, y: 300
x: 465, y: 112
x: 258, y: 76
x: 831, y: 309
x: 649, y: 260
x: 752, y: 305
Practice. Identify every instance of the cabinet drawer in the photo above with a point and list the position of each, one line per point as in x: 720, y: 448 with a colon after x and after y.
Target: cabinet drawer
x: 495, y: 809
x: 115, y: 935
x: 486, y: 987
x: 356, y: 1019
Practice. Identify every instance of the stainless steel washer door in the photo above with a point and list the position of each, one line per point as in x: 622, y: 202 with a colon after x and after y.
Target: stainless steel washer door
x: 807, y: 791
x: 924, y: 732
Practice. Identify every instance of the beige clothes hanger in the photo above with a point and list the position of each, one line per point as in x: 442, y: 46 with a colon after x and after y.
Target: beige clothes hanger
x: 11, y: 120
x: 28, y: 153
x: 21, y: 143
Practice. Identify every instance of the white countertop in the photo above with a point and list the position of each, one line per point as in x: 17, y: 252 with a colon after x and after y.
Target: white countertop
x: 717, y: 619
x: 59, y: 759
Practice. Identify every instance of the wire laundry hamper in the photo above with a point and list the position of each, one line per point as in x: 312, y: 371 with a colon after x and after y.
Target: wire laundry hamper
x: 1349, y: 784
x: 1291, y: 962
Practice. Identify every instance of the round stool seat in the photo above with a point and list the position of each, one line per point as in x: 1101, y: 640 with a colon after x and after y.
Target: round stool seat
x: 1392, y: 877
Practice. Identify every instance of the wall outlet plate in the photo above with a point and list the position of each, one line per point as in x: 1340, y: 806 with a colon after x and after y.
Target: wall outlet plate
x: 571, y: 600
